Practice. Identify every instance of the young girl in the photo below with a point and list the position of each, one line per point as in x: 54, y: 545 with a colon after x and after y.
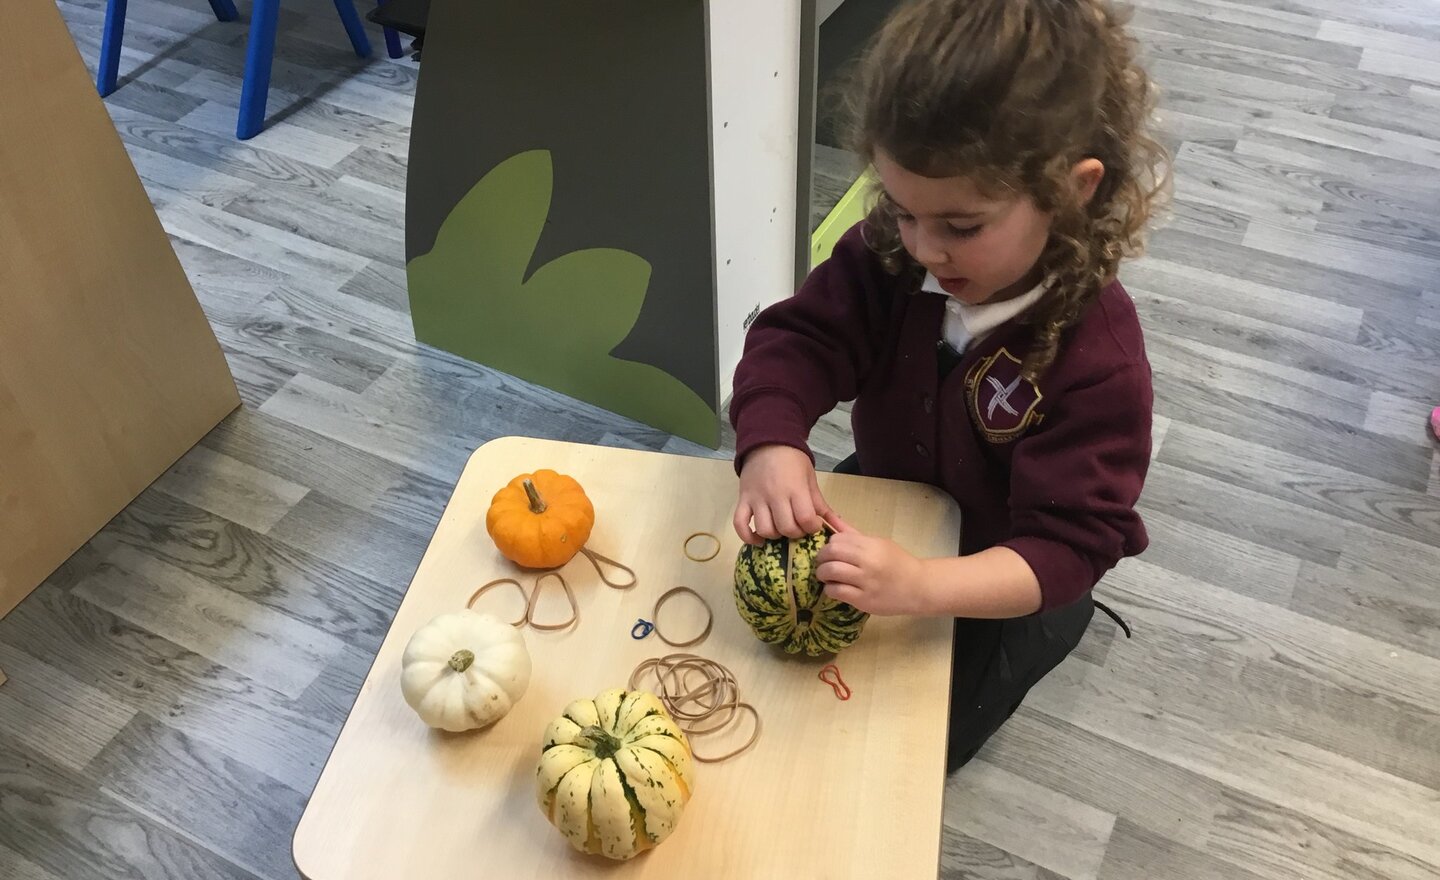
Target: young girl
x: 975, y: 320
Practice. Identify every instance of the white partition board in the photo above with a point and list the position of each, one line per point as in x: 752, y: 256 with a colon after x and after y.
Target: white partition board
x: 754, y: 85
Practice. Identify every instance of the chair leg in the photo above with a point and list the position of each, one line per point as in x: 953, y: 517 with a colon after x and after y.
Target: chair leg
x: 259, y: 53
x: 353, y: 27
x: 224, y: 10
x: 392, y: 39
x: 109, y: 67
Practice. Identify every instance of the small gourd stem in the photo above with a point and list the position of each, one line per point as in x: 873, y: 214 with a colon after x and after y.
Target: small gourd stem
x: 605, y: 744
x: 537, y: 504
x: 461, y: 659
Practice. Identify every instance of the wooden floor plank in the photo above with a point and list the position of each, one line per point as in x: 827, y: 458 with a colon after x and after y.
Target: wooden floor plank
x: 226, y: 709
x: 1139, y: 854
x: 242, y: 815
x: 60, y: 823
x: 239, y: 492
x: 268, y: 646
x: 1364, y: 501
x: 1287, y: 843
x: 14, y: 866
x: 1038, y: 824
x: 52, y: 713
x: 1258, y: 630
x: 962, y: 857
x: 1377, y: 806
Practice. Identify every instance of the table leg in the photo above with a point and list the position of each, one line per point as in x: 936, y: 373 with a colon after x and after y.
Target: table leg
x: 109, y: 67
x: 392, y: 39
x: 353, y: 27
x: 259, y: 53
x: 224, y: 10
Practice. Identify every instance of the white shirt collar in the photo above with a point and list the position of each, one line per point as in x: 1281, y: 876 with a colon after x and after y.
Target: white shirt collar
x: 980, y: 320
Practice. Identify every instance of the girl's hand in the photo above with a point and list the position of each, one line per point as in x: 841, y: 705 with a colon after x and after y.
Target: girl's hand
x: 779, y: 491
x: 875, y: 575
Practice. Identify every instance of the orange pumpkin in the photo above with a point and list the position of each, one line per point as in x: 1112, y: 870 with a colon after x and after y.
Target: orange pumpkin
x: 540, y: 520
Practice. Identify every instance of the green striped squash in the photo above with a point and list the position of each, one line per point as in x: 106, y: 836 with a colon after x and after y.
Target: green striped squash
x: 777, y: 593
x: 615, y: 774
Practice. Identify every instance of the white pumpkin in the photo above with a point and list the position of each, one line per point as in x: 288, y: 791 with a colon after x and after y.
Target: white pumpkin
x: 615, y: 774
x: 464, y: 670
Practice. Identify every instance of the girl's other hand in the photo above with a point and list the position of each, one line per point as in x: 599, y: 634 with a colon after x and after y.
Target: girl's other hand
x: 779, y: 492
x: 875, y: 575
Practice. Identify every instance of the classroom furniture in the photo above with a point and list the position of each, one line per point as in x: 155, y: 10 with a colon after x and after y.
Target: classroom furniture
x: 108, y: 369
x: 831, y: 789
x: 259, y: 52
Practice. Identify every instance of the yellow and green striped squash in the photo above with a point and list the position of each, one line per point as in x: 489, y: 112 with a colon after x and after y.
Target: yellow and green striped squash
x: 615, y: 773
x: 778, y: 594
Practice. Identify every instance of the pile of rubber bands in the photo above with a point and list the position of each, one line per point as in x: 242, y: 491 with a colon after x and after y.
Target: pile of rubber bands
x: 701, y: 695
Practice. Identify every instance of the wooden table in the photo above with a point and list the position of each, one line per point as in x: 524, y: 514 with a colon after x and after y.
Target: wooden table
x: 832, y: 789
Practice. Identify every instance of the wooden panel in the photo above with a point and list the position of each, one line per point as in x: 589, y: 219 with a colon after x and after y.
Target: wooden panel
x: 395, y: 799
x: 108, y: 371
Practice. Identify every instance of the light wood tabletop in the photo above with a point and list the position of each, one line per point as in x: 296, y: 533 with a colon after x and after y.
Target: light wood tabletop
x: 832, y: 789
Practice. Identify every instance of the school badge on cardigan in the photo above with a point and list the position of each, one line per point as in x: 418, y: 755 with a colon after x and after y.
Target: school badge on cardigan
x: 1002, y: 402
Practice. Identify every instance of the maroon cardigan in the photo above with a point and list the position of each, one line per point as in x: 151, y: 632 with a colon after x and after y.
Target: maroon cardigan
x: 1052, y: 472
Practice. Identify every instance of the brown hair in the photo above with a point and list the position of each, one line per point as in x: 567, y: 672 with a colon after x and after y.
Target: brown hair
x: 1011, y: 94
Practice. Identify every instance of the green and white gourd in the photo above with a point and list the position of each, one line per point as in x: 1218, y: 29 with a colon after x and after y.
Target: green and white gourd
x: 778, y: 594
x: 615, y: 774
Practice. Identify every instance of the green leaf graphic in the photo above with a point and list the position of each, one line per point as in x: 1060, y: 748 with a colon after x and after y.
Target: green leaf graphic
x: 558, y: 328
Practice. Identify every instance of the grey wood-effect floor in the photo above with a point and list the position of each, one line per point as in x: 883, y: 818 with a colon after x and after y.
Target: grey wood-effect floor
x: 174, y: 689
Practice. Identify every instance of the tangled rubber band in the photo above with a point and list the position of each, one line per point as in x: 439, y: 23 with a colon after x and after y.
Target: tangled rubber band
x: 532, y: 600
x: 837, y: 684
x: 535, y: 601
x: 701, y: 695
x: 692, y: 557
x: 596, y: 559
x: 524, y: 615
x: 644, y: 626
x: 709, y: 615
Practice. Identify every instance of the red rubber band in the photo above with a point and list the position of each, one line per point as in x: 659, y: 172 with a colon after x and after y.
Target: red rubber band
x: 837, y: 684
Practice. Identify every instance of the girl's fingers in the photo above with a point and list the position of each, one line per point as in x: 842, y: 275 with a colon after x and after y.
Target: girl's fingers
x: 838, y: 572
x: 842, y: 592
x: 841, y: 550
x: 805, y: 514
x: 742, y: 523
x: 837, y: 523
x: 784, y: 519
x: 764, y: 526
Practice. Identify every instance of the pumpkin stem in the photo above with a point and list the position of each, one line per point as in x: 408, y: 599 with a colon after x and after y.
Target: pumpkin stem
x: 537, y: 504
x: 461, y: 659
x: 605, y: 744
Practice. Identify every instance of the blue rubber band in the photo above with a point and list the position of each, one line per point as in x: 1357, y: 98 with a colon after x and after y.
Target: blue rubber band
x: 644, y: 627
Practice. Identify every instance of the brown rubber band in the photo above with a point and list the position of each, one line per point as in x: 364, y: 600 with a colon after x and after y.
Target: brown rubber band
x: 535, y: 600
x: 596, y: 559
x: 693, y: 558
x: 524, y: 615
x: 716, y: 697
x: 665, y: 597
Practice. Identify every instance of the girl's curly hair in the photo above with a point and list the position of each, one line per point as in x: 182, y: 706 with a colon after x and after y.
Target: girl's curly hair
x: 1012, y: 94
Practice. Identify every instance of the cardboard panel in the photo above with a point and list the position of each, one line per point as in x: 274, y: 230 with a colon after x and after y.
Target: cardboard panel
x: 108, y: 369
x: 558, y: 221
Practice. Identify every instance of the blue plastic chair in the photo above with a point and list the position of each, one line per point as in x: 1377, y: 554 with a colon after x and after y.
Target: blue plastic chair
x: 259, y: 52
